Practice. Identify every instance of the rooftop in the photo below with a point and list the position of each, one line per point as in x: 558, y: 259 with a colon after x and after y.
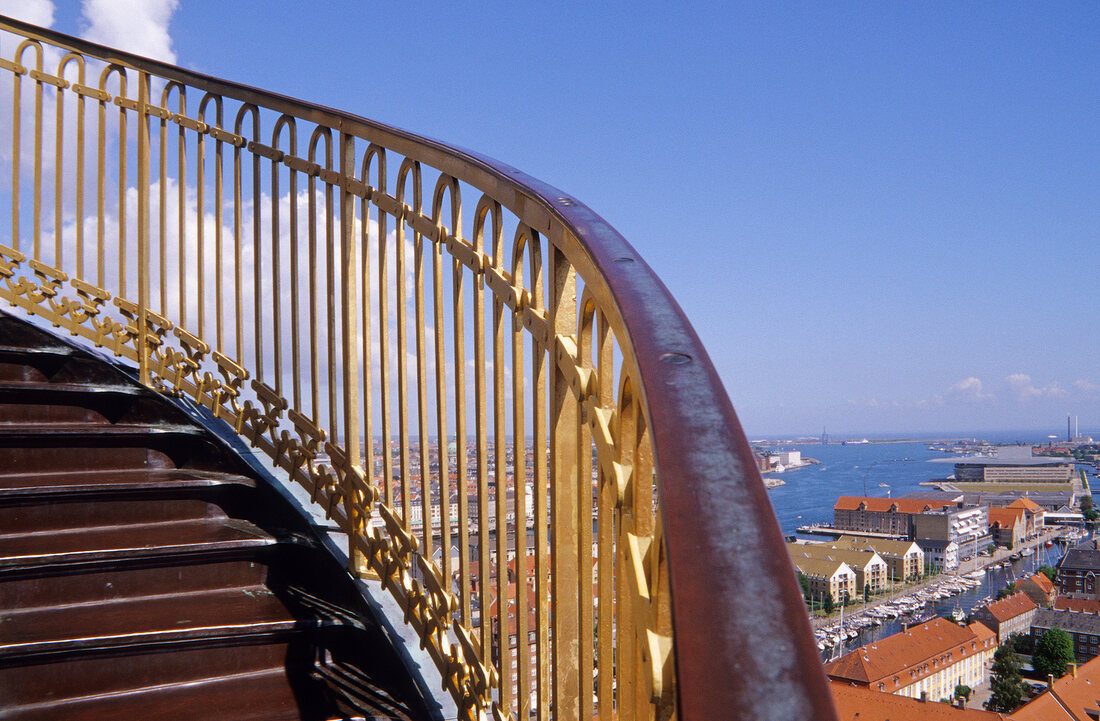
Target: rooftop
x: 882, y: 546
x: 1078, y: 605
x: 882, y: 505
x: 1005, y: 517
x: 1081, y: 559
x: 1070, y: 621
x: 1011, y: 606
x: 1025, y: 503
x: 856, y: 703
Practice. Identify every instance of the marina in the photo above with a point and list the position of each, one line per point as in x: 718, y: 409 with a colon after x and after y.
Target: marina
x: 947, y: 595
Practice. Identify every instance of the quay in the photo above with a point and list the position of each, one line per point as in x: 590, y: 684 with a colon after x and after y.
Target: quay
x: 827, y: 529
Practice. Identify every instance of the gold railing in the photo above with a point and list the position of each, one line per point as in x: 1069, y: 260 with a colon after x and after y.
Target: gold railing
x: 503, y: 408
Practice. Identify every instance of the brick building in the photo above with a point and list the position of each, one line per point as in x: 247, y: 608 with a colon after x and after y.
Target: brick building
x: 1009, y: 615
x: 1077, y: 573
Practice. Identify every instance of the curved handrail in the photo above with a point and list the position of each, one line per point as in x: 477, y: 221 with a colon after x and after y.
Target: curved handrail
x: 741, y: 639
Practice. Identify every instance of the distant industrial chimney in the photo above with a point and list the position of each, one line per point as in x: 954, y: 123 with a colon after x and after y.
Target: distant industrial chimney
x: 1069, y: 438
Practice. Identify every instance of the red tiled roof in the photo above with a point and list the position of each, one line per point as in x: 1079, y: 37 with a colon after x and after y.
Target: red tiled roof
x: 1005, y: 517
x: 1040, y: 580
x: 855, y: 703
x: 881, y: 505
x: 982, y: 632
x: 892, y: 656
x: 1011, y: 606
x: 1081, y: 605
x: 1025, y: 503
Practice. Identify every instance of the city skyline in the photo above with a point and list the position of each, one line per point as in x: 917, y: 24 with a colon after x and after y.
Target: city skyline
x: 877, y: 219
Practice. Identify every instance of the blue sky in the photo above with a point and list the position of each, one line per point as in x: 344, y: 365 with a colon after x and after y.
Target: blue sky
x: 879, y: 217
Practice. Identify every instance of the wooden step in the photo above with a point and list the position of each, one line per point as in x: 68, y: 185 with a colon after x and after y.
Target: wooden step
x: 107, y: 684
x: 52, y: 550
x: 258, y: 696
x: 72, y: 516
x: 49, y: 447
x: 220, y: 613
x: 41, y: 402
x: 20, y: 486
x: 75, y: 586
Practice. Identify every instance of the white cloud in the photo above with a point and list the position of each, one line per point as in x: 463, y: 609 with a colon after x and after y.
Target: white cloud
x: 1022, y: 385
x: 35, y: 12
x: 136, y: 26
x: 1086, y: 386
x: 969, y: 389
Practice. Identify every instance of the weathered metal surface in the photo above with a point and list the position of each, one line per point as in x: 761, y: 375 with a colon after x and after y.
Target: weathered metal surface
x: 635, y: 482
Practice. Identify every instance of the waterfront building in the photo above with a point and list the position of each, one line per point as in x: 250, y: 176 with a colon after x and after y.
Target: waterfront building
x: 826, y: 576
x: 904, y: 559
x: 1007, y: 526
x: 788, y: 458
x: 1070, y: 698
x: 1077, y: 573
x: 968, y: 526
x: 1038, y: 587
x: 869, y: 567
x: 1034, y: 514
x: 931, y: 658
x: 858, y: 703
x: 1040, y: 469
x: 940, y: 555
x: 892, y: 516
x: 1012, y: 614
x: 1083, y: 627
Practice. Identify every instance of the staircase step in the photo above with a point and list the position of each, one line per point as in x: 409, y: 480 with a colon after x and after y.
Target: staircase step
x: 49, y: 550
x: 92, y: 586
x: 51, y: 683
x: 46, y: 447
x: 45, y: 485
x: 258, y: 696
x: 72, y: 516
x: 220, y: 613
x: 45, y: 433
x: 115, y: 401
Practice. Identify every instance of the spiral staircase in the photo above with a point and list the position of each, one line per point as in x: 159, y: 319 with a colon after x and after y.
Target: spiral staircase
x: 146, y: 571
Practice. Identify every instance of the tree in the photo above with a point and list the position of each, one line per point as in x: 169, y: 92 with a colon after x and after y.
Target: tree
x: 866, y: 592
x: 1021, y: 643
x: 1005, y: 592
x: 1007, y: 685
x: 805, y: 584
x: 1048, y: 571
x: 1053, y: 652
x: 1088, y: 509
x: 963, y: 691
x: 829, y: 603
